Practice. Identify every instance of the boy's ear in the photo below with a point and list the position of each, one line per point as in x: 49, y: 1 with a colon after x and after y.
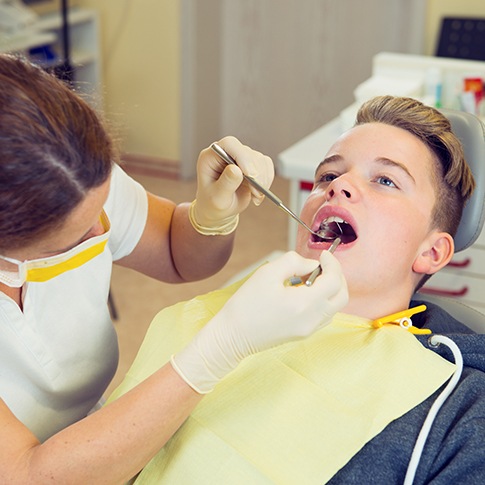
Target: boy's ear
x: 437, y: 250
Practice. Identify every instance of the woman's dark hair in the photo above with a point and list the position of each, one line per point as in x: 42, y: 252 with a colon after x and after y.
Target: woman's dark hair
x: 54, y: 148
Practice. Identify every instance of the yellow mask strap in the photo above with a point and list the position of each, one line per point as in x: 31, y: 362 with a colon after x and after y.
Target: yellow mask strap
x: 38, y: 271
x: 39, y: 275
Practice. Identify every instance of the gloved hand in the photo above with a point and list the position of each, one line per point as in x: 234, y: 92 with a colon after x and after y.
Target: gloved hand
x: 222, y: 193
x: 261, y: 314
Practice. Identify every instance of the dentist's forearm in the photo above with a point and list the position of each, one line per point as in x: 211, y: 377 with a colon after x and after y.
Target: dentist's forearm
x: 196, y: 256
x: 113, y: 444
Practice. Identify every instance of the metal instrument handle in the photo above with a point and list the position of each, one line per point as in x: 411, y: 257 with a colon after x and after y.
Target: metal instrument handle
x: 276, y: 200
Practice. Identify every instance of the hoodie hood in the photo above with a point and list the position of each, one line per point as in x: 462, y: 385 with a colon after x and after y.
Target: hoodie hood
x: 471, y: 344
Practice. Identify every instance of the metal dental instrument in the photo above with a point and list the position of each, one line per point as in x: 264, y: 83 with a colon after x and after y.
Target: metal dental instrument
x: 298, y: 280
x: 316, y: 272
x: 323, y: 234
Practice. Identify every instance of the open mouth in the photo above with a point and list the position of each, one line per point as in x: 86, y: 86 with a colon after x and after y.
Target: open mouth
x: 333, y: 227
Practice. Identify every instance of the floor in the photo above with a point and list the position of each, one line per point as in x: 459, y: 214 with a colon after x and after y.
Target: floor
x: 138, y: 298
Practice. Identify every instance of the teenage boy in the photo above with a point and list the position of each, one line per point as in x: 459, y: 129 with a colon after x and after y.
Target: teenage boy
x: 346, y: 405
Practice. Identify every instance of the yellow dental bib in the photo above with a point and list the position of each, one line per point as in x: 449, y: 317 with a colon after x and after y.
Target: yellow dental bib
x: 293, y: 414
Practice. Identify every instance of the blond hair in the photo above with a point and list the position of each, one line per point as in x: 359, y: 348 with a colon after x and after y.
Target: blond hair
x: 453, y: 178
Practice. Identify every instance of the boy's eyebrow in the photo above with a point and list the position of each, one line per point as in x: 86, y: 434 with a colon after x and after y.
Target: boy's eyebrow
x: 393, y: 163
x: 331, y: 158
x: 381, y: 160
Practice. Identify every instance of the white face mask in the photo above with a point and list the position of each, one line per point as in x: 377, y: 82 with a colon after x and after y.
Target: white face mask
x: 14, y: 273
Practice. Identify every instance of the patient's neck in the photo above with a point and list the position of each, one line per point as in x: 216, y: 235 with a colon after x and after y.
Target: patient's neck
x: 377, y: 307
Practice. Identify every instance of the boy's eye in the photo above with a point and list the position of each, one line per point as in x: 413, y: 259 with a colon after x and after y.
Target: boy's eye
x: 385, y: 181
x: 326, y: 177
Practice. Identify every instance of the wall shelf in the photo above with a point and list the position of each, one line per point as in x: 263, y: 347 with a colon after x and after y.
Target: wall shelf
x: 47, y: 33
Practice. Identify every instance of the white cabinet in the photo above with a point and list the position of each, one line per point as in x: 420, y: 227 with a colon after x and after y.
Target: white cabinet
x: 85, y: 54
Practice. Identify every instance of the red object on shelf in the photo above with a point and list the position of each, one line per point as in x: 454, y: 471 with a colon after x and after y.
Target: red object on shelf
x: 441, y: 292
x: 304, y: 185
x: 460, y: 264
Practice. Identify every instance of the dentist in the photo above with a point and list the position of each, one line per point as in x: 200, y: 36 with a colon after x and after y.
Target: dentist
x: 67, y: 212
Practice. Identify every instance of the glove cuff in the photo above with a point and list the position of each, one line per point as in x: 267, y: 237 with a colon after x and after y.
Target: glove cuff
x: 221, y: 230
x: 204, y: 385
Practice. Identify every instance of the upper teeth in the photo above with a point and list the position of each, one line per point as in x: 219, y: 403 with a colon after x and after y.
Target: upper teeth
x: 334, y: 219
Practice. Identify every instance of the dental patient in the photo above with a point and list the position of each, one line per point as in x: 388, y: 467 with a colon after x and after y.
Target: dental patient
x: 345, y: 405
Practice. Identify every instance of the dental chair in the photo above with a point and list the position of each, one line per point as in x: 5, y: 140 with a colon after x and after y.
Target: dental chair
x: 471, y: 133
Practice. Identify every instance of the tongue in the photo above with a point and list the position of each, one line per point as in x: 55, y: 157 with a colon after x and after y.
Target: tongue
x: 348, y: 234
x: 330, y: 231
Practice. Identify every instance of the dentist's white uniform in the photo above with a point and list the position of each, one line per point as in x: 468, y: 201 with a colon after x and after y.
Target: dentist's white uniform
x: 58, y: 356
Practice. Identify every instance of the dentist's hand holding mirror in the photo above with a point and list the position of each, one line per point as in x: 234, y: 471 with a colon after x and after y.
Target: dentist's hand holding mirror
x: 248, y: 323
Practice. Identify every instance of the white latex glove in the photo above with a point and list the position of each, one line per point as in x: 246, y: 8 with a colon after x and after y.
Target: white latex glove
x: 222, y: 193
x: 261, y: 314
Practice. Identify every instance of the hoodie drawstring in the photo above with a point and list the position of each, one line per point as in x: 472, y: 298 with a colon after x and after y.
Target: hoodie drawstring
x: 434, y: 341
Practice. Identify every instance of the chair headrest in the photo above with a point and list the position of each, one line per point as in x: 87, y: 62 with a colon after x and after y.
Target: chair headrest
x: 469, y: 129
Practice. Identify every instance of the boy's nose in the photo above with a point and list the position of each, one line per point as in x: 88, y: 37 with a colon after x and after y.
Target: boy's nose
x: 340, y: 186
x: 331, y: 193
